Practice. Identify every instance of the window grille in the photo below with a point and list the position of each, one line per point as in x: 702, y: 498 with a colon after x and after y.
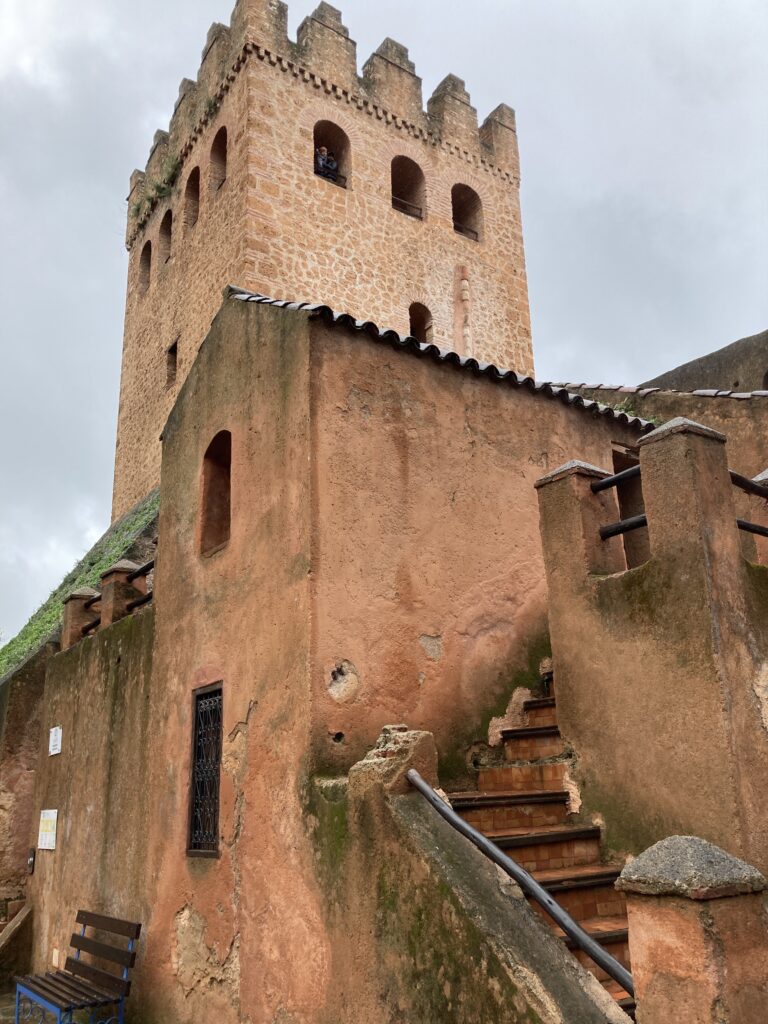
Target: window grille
x: 206, y: 771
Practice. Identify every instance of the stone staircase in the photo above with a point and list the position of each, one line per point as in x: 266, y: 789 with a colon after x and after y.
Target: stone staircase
x: 524, y: 809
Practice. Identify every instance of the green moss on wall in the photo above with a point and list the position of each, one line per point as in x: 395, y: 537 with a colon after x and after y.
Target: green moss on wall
x: 87, y: 573
x: 453, y: 762
x: 326, y: 806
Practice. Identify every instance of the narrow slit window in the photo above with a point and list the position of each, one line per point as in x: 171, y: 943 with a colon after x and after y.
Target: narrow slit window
x: 216, y: 496
x: 219, y: 160
x: 145, y: 268
x: 171, y: 364
x: 192, y: 199
x: 166, y: 237
x: 421, y: 323
x: 467, y: 212
x: 409, y: 187
x: 206, y: 771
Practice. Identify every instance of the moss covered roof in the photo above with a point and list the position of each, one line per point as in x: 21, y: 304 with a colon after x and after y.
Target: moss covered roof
x: 114, y: 545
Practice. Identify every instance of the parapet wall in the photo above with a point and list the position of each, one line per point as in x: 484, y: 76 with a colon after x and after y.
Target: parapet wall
x: 325, y: 58
x: 662, y: 667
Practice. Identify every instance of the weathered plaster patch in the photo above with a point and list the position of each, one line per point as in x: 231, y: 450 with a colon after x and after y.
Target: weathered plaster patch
x: 572, y: 789
x: 433, y: 646
x: 345, y: 682
x: 512, y: 718
x: 195, y: 964
x: 760, y: 686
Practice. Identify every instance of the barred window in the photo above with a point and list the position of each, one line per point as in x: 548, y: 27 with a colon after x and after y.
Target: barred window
x: 206, y: 771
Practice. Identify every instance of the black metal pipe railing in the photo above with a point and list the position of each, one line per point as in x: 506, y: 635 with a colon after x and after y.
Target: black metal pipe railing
x: 618, y: 478
x: 623, y: 526
x: 750, y: 486
x: 89, y: 626
x: 92, y: 601
x: 411, y: 209
x: 140, y: 602
x: 529, y: 885
x: 761, y: 531
x: 143, y: 570
x: 468, y: 232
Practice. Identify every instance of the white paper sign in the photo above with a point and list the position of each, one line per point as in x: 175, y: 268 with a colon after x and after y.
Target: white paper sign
x: 54, y: 741
x: 46, y: 839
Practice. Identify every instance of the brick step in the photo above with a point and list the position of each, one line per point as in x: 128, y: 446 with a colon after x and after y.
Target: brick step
x: 541, y: 711
x: 532, y: 744
x: 611, y: 933
x: 500, y: 811
x: 521, y: 777
x: 551, y: 846
x: 622, y: 997
x: 585, y: 892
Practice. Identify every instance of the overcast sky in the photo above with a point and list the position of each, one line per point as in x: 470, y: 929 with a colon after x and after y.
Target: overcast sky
x: 644, y: 140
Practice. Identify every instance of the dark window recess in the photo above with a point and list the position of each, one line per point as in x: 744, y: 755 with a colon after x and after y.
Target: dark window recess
x: 408, y: 187
x: 216, y: 498
x: 171, y: 364
x: 218, y: 172
x: 206, y: 772
x: 467, y: 212
x: 332, y: 153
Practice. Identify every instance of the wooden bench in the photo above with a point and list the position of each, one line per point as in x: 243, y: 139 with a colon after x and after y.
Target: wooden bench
x: 83, y: 985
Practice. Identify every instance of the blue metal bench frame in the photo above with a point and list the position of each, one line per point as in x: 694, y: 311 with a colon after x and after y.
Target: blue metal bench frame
x: 81, y: 986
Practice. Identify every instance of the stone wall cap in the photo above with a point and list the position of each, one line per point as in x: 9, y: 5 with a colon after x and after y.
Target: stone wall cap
x: 84, y: 593
x: 572, y: 468
x: 122, y: 566
x: 690, y: 867
x: 680, y: 425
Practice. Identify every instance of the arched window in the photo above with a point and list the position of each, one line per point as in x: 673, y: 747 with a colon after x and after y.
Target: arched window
x: 164, y: 240
x: 409, y: 187
x: 145, y: 268
x: 216, y: 494
x: 467, y: 212
x: 192, y: 199
x: 421, y: 323
x: 218, y: 160
x: 332, y: 153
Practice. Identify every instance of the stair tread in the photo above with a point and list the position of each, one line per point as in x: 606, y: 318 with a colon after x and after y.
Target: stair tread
x: 516, y: 796
x: 544, y: 831
x: 622, y: 997
x: 581, y: 873
x: 600, y: 928
x: 525, y: 731
x: 539, y: 702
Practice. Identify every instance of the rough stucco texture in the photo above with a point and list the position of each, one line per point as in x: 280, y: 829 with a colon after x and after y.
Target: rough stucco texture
x: 276, y: 228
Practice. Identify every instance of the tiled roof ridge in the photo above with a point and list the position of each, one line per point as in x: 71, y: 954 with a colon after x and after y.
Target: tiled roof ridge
x: 642, y: 392
x: 406, y: 343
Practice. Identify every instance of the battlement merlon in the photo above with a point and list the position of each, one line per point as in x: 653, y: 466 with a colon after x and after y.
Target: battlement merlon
x: 324, y: 49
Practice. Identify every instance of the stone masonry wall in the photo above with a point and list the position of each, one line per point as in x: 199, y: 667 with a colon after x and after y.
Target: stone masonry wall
x: 276, y: 228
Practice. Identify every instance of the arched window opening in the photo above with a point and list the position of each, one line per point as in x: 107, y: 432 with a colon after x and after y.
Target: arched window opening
x: 171, y: 364
x: 216, y: 496
x: 145, y: 268
x: 467, y: 212
x: 332, y: 153
x: 166, y: 235
x: 409, y: 187
x: 192, y: 199
x: 219, y: 160
x: 421, y: 323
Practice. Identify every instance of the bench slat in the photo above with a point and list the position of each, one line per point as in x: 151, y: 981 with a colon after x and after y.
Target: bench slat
x: 102, y: 979
x: 101, y: 949
x: 129, y: 929
x: 41, y: 987
x: 75, y: 999
x: 80, y: 989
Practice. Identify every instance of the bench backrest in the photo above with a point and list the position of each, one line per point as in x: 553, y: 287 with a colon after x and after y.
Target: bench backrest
x: 124, y: 957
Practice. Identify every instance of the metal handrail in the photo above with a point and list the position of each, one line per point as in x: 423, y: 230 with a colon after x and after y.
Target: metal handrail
x: 92, y: 601
x: 143, y: 570
x: 469, y: 232
x: 89, y: 626
x: 623, y: 526
x: 613, y: 481
x: 750, y: 486
x: 140, y: 601
x: 529, y: 885
x: 761, y: 531
x: 410, y: 209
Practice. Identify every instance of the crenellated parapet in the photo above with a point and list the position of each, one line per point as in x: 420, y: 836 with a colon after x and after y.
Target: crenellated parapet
x: 323, y: 56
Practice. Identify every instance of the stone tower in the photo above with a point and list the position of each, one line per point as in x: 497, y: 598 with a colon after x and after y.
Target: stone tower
x: 417, y: 228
